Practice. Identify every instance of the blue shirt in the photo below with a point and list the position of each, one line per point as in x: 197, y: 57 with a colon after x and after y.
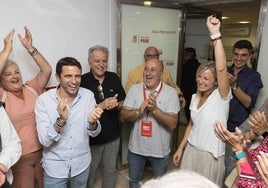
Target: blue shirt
x: 68, y: 149
x: 250, y: 82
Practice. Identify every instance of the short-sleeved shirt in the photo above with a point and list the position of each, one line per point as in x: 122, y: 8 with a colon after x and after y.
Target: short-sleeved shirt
x: 202, y: 135
x: 110, y: 118
x: 158, y: 145
x: 250, y: 82
x: 21, y: 114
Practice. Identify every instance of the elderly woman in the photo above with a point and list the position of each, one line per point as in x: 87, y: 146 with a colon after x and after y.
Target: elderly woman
x: 200, y: 150
x: 20, y: 100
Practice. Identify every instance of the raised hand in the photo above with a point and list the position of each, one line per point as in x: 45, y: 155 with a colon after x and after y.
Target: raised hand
x: 8, y: 41
x: 213, y: 25
x: 27, y: 40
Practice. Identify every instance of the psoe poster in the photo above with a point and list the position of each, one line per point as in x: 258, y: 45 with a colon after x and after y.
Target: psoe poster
x: 148, y: 26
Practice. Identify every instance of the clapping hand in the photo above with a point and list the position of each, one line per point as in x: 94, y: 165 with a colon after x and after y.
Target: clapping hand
x: 8, y: 41
x: 262, y: 166
x: 258, y: 122
x: 235, y: 140
x: 95, y: 115
x: 27, y: 40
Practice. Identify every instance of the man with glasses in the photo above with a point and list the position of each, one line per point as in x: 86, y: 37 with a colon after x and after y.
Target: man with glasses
x: 109, y: 94
x: 136, y: 75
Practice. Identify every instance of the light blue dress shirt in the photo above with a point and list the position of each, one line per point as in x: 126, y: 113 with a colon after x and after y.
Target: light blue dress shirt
x: 69, y: 149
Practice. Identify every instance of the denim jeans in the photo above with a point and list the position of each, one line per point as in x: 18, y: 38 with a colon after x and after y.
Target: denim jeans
x: 136, y: 166
x: 74, y: 182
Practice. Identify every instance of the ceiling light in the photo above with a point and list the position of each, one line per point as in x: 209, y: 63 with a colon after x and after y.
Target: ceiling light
x: 147, y: 3
x: 244, y: 22
x: 225, y: 17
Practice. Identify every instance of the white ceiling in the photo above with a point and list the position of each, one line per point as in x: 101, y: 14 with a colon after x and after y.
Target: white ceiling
x: 236, y: 10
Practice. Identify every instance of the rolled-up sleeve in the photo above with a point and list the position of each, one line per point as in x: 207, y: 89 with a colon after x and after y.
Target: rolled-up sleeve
x: 46, y: 132
x: 95, y: 132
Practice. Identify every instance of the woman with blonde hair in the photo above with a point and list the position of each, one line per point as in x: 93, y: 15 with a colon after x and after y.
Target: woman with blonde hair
x: 200, y: 150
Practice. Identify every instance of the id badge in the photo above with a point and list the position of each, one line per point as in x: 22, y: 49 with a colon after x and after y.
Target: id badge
x: 146, y: 128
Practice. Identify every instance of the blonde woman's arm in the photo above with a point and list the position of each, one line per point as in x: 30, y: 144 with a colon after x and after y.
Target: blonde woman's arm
x: 213, y: 25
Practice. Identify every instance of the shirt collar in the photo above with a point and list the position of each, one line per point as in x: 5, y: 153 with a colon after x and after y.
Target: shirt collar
x: 156, y: 90
x: 245, y: 69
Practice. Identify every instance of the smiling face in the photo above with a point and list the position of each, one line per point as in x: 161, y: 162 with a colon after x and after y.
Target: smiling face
x: 69, y: 79
x: 11, y: 79
x: 206, y: 78
x: 98, y: 63
x: 241, y: 57
x: 152, y: 73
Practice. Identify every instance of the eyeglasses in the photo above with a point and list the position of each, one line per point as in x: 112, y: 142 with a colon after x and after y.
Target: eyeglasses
x: 100, y: 90
x: 152, y: 56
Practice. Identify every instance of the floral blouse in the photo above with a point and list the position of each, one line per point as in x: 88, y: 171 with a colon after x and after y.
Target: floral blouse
x: 250, y: 176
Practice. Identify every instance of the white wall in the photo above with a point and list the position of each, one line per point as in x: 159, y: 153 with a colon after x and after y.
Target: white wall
x: 262, y: 61
x: 60, y: 28
x: 197, y: 37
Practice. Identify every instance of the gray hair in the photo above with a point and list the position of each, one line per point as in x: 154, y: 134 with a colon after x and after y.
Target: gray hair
x: 10, y: 62
x: 180, y: 178
x: 99, y: 48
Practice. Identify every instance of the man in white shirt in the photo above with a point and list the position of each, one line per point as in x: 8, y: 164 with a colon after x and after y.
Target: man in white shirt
x: 10, y: 148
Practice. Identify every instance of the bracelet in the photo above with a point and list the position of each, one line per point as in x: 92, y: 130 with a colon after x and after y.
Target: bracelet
x: 218, y: 38
x: 92, y: 127
x: 215, y: 36
x: 58, y: 126
x: 240, y: 155
x: 60, y: 123
x: 34, y: 52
